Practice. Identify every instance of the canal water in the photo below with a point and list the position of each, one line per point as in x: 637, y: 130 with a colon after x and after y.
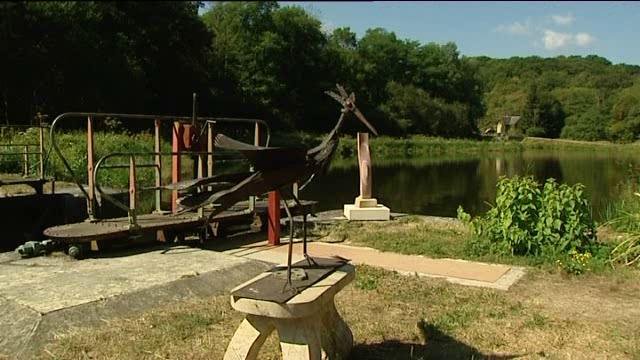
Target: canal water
x: 438, y: 186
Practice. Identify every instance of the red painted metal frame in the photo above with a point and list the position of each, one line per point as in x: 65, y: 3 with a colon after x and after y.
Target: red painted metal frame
x: 177, y: 146
x: 273, y: 218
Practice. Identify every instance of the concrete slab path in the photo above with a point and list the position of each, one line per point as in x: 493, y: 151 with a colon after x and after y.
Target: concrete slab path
x: 453, y: 270
x: 44, y: 296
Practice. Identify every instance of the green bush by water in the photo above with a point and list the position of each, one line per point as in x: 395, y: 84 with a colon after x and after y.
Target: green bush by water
x: 553, y: 222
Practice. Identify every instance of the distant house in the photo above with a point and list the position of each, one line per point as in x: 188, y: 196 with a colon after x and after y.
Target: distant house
x: 507, y: 123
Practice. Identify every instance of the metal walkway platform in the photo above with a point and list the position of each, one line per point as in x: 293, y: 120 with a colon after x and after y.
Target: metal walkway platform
x: 107, y: 229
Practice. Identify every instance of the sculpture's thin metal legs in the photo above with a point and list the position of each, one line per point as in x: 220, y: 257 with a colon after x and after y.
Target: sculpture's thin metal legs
x: 290, y: 252
x: 304, y: 231
x: 304, y: 234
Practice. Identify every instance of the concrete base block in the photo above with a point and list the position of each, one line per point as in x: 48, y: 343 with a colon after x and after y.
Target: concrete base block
x: 365, y: 203
x: 380, y: 212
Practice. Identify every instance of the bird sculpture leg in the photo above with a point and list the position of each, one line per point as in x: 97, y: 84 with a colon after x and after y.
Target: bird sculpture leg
x: 290, y: 252
x: 304, y: 231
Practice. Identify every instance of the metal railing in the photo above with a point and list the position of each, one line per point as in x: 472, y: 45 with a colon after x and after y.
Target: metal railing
x: 206, y: 124
x: 27, y: 149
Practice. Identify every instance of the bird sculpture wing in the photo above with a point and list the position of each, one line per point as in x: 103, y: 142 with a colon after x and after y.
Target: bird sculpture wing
x: 263, y: 158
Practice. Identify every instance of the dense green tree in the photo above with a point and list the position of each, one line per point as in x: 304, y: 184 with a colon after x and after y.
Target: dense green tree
x: 275, y: 57
x: 413, y: 110
x: 625, y: 124
x: 543, y: 115
x: 102, y: 56
x: 263, y: 59
x: 589, y: 125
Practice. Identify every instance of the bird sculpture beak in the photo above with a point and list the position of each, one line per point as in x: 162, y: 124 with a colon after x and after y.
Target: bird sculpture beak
x: 364, y: 121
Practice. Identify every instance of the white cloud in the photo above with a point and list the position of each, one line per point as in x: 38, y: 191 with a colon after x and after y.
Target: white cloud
x: 553, y: 40
x: 584, y: 39
x: 563, y: 19
x: 543, y: 37
x: 556, y: 40
x: 516, y: 28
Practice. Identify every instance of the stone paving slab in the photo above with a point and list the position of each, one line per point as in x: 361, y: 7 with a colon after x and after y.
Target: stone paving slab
x: 44, y: 296
x: 457, y: 271
x: 47, y: 284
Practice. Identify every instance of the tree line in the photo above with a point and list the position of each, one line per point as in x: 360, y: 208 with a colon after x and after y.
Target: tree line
x: 261, y: 59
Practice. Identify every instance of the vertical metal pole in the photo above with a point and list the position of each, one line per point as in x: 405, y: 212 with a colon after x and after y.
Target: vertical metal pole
x: 133, y: 193
x: 90, y: 165
x: 41, y: 147
x: 158, y: 161
x: 194, y: 109
x: 210, y: 150
x: 175, y: 161
x: 26, y: 161
x: 273, y: 218
x: 200, y: 166
x: 256, y: 142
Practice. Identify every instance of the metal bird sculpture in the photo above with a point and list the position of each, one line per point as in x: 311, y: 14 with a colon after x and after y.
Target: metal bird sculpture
x: 276, y: 169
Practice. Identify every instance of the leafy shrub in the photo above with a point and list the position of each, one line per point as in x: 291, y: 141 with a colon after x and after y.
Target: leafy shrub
x: 530, y: 220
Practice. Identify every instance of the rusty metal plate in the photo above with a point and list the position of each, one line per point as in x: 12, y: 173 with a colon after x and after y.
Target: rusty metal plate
x: 118, y: 227
x: 274, y: 288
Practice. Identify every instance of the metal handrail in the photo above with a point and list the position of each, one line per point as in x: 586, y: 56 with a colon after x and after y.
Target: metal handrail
x: 44, y: 154
x: 100, y: 165
x: 205, y: 120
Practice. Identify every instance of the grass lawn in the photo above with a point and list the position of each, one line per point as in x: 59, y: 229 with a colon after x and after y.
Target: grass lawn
x: 430, y: 236
x: 547, y: 314
x: 404, y: 317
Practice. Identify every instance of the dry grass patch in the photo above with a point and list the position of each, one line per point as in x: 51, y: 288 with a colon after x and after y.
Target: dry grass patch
x: 422, y: 235
x: 405, y: 317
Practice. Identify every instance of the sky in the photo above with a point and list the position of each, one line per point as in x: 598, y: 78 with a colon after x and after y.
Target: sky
x: 498, y: 29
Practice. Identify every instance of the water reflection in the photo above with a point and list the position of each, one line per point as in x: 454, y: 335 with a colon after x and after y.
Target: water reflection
x: 438, y: 186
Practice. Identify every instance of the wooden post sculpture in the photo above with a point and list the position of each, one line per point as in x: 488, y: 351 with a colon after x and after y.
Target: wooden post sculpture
x: 366, y: 207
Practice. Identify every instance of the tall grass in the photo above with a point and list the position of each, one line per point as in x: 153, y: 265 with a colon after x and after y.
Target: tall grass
x: 624, y: 216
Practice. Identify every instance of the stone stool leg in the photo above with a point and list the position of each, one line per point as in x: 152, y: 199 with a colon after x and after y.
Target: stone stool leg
x: 300, y: 339
x: 248, y: 338
x: 337, y: 338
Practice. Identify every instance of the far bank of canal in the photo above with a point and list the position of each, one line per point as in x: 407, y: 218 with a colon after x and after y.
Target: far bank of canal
x: 438, y: 185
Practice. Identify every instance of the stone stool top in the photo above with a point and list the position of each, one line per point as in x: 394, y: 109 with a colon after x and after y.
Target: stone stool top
x: 308, y: 325
x: 306, y: 303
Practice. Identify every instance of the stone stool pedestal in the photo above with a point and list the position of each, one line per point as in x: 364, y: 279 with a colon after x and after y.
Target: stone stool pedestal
x: 308, y: 325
